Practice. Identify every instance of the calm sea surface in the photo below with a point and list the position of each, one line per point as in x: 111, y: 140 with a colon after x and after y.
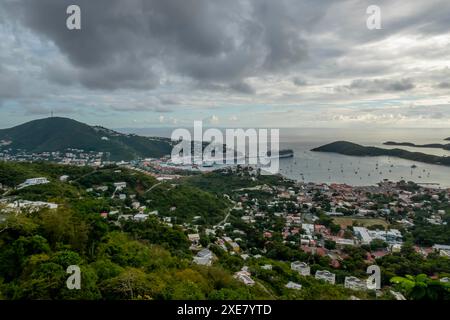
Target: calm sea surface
x: 311, y: 166
x: 329, y: 167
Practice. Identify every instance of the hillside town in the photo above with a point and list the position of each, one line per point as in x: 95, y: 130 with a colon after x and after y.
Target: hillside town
x: 76, y: 157
x: 319, y: 220
x: 358, y: 219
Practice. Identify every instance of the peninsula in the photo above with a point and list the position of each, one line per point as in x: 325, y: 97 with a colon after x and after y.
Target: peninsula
x: 353, y: 149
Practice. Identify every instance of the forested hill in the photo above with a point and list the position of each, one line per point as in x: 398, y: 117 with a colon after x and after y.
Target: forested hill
x: 409, y: 144
x: 353, y: 149
x: 59, y: 134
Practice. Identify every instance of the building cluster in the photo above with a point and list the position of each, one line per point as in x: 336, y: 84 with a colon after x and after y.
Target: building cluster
x: 315, y: 218
x: 363, y: 215
x: 76, y: 157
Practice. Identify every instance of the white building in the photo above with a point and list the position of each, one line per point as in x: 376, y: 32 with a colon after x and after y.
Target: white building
x: 326, y: 276
x: 33, y: 182
x: 204, y: 257
x: 140, y: 217
x: 135, y: 205
x: 301, y: 267
x: 444, y: 250
x: 293, y: 285
x: 120, y: 185
x: 396, y: 247
x: 345, y: 242
x: 31, y: 205
x: 354, y: 283
x: 392, y: 236
x: 194, y: 238
x: 244, y: 277
x: 363, y: 234
x: 308, y: 228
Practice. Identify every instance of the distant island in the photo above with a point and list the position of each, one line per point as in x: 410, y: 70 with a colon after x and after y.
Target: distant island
x: 353, y: 149
x: 448, y: 139
x: 409, y: 144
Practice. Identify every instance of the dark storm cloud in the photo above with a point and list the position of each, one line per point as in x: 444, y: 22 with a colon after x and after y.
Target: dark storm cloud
x: 243, y: 87
x: 131, y: 44
x: 128, y: 44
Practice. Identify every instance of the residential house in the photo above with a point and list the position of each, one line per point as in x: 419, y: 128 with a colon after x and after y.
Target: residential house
x: 301, y: 267
x: 204, y: 257
x: 244, y: 276
x: 33, y: 182
x: 326, y: 276
x: 293, y: 285
x: 354, y: 283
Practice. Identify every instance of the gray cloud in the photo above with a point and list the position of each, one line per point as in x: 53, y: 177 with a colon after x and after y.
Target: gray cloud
x: 378, y: 85
x: 169, y: 101
x: 43, y: 110
x: 444, y: 85
x: 204, y: 54
x: 10, y: 84
x: 242, y: 87
x: 299, y: 81
x: 130, y: 45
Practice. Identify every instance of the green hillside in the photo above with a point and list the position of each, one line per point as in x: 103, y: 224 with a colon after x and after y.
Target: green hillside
x: 59, y: 134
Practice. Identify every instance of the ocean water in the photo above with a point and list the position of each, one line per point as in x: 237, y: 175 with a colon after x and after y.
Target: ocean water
x: 321, y: 167
x: 311, y: 166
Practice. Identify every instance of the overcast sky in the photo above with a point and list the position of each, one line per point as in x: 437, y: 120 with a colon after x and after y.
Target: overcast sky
x: 237, y: 63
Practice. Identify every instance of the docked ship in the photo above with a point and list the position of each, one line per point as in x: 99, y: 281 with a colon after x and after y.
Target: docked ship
x: 285, y: 153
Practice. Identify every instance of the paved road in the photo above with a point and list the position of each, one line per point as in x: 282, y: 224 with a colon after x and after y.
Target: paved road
x: 154, y: 186
x: 224, y: 220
